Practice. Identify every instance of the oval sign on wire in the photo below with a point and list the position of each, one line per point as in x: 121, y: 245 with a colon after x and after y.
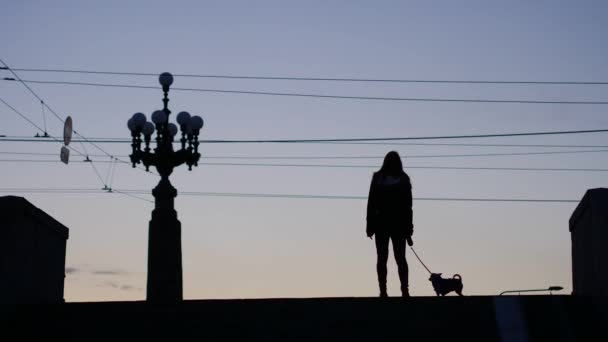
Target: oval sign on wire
x: 64, y: 155
x: 67, y: 131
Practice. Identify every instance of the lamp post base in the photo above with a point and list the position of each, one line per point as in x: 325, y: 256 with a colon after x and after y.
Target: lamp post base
x: 164, y: 249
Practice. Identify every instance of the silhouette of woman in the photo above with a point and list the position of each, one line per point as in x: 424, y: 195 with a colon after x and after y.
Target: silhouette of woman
x: 389, y: 217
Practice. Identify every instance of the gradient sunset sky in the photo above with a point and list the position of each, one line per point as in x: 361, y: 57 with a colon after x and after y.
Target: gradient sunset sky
x: 239, y: 247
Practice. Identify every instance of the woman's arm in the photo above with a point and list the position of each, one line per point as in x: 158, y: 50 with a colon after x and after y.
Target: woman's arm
x: 409, y: 214
x: 371, y: 209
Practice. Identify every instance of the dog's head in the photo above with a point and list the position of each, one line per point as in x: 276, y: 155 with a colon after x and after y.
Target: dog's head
x: 435, y: 277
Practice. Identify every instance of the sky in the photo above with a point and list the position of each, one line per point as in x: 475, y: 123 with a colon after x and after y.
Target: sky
x: 242, y: 247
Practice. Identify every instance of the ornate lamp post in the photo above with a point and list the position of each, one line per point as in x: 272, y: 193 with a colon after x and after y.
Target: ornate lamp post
x: 164, y: 240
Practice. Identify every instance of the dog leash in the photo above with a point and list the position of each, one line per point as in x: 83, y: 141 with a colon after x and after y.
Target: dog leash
x: 416, y: 254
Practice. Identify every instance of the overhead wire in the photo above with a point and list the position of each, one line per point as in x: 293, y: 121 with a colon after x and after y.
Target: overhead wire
x: 471, y: 145
x: 50, y: 137
x: 342, y: 140
x: 73, y: 191
x: 54, y: 138
x: 23, y: 116
x: 119, y: 140
x: 62, y: 120
x: 431, y: 167
x: 345, y: 140
x: 342, y: 157
x: 289, y: 196
x: 131, y: 195
x: 331, y: 79
x: 343, y: 97
x: 112, y: 172
x: 43, y: 116
x: 413, y: 167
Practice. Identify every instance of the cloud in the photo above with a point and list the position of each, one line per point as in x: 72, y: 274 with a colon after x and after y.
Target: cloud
x: 122, y: 287
x: 115, y: 275
x: 100, y: 271
x: 110, y: 272
x: 108, y: 284
x: 71, y: 270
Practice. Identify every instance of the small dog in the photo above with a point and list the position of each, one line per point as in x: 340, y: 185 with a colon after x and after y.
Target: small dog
x: 445, y: 286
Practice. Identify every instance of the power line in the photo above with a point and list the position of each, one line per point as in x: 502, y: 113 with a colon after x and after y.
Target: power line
x: 298, y: 196
x: 130, y: 195
x: 343, y: 97
x: 62, y: 120
x: 57, y: 140
x: 120, y: 140
x: 369, y: 143
x: 346, y: 166
x: 44, y: 104
x: 74, y: 191
x: 22, y: 115
x: 472, y: 145
x: 284, y: 78
x: 292, y: 196
x: 412, y: 167
x: 376, y: 157
x: 404, y: 156
x: 335, y: 140
x: 50, y: 161
x: 53, y: 139
x: 97, y: 173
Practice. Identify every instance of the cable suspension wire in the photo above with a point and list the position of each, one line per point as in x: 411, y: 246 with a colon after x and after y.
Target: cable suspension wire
x: 52, y: 137
x: 342, y: 157
x: 291, y: 196
x: 470, y: 145
x: 97, y: 173
x: 112, y: 171
x: 44, y: 104
x: 403, y: 155
x: 56, y: 139
x: 23, y: 116
x: 119, y: 140
x: 343, y: 97
x: 74, y: 191
x: 472, y: 168
x: 47, y: 137
x: 62, y: 120
x: 130, y: 195
x: 296, y: 196
x: 335, y: 140
x: 413, y: 167
x: 331, y: 79
x: 107, y: 178
x: 43, y: 116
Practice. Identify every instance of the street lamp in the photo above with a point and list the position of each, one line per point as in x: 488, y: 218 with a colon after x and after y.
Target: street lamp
x: 164, y: 241
x: 550, y: 289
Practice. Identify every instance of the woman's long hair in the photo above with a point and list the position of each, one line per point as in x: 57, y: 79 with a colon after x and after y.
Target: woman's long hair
x: 392, y: 165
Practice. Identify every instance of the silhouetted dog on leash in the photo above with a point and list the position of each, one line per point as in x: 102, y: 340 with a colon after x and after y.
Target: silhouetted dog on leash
x: 440, y: 285
x: 444, y: 286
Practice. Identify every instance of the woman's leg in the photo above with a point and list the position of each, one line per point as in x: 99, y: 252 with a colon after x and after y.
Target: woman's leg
x: 382, y: 252
x: 399, y: 252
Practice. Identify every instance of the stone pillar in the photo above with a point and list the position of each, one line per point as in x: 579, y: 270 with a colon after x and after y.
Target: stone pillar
x: 164, y: 248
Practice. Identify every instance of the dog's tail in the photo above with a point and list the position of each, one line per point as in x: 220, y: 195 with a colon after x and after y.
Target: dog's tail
x: 457, y: 275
